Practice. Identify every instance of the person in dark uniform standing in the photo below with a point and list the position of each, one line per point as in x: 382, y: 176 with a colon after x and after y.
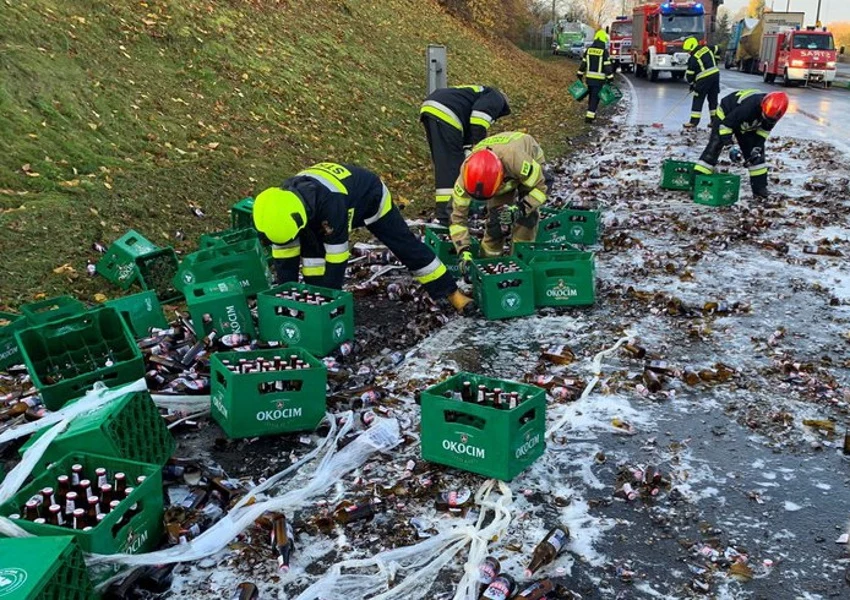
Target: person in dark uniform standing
x: 704, y: 79
x: 597, y: 70
x: 455, y: 119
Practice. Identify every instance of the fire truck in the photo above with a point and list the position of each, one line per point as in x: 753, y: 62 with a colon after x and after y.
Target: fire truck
x: 660, y: 30
x: 799, y: 56
x: 620, y: 34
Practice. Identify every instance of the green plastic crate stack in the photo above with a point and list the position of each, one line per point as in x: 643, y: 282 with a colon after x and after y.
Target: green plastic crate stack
x: 503, y: 295
x: 245, y: 260
x: 564, y: 278
x: 482, y: 439
x: 226, y: 237
x: 242, y: 214
x: 270, y: 402
x: 572, y: 225
x: 677, y: 175
x: 9, y: 352
x: 319, y: 329
x: 128, y: 428
x: 133, y: 526
x: 437, y: 238
x: 43, y: 568
x: 52, y: 309
x: 719, y: 189
x: 578, y: 90
x: 66, y: 358
x: 221, y: 306
x: 526, y: 251
x: 134, y: 258
x: 141, y: 312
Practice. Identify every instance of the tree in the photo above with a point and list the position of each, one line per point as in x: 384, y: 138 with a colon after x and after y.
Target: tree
x: 724, y: 26
x: 756, y: 8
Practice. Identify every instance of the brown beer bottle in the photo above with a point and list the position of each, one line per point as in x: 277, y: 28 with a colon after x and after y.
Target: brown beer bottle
x: 651, y: 381
x: 349, y: 512
x: 548, y: 550
x: 282, y: 542
x: 246, y: 591
x: 536, y: 591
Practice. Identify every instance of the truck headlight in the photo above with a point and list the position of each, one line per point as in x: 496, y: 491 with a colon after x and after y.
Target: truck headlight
x: 830, y: 64
x: 798, y: 63
x: 662, y: 59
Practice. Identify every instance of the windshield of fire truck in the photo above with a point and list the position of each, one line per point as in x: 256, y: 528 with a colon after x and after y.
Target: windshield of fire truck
x: 679, y: 27
x: 807, y: 41
x: 621, y: 29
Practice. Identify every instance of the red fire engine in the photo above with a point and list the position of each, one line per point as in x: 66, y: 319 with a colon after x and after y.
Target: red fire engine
x: 620, y: 34
x: 659, y: 32
x: 799, y: 55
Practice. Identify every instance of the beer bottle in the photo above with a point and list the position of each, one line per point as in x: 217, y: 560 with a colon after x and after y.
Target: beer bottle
x: 635, y: 350
x: 690, y: 376
x: 31, y: 510
x: 453, y: 501
x: 548, y: 550
x: 120, y: 484
x: 466, y: 392
x: 501, y: 588
x: 349, y: 512
x: 47, y: 499
x: 246, y: 591
x: 79, y: 518
x: 651, y: 381
x: 488, y: 570
x: 282, y: 542
x: 84, y: 488
x: 536, y: 591
x: 847, y: 442
x: 70, y: 503
x: 63, y: 487
x: 100, y: 474
x: 55, y: 515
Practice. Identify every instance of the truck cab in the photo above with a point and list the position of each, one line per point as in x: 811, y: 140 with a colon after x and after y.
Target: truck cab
x: 659, y: 31
x: 800, y: 56
x: 620, y: 34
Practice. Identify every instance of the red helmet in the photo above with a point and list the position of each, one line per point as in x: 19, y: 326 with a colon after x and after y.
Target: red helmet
x: 774, y: 105
x: 482, y: 174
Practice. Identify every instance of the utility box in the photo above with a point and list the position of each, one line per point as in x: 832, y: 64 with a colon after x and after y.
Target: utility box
x: 435, y: 68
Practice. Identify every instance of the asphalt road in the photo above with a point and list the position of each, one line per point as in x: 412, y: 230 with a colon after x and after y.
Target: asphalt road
x: 815, y: 113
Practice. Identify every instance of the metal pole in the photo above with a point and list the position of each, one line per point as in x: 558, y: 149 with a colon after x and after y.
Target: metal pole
x: 817, y: 19
x: 788, y: 6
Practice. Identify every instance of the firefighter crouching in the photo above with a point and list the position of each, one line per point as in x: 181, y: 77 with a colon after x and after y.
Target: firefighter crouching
x: 704, y: 79
x: 308, y: 220
x: 597, y: 70
x: 750, y: 116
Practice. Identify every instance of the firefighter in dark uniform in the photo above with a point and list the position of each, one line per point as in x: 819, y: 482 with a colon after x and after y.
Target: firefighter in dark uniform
x: 597, y: 69
x: 308, y: 220
x: 704, y: 79
x: 455, y: 119
x: 750, y: 116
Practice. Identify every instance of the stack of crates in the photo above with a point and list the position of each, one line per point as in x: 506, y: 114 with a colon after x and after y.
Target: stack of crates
x: 572, y: 225
x: 133, y: 258
x: 479, y: 438
x: 221, y: 306
x: 65, y: 358
x: 141, y: 312
x: 43, y: 568
x: 503, y: 295
x: 267, y: 402
x: 245, y: 260
x: 319, y: 329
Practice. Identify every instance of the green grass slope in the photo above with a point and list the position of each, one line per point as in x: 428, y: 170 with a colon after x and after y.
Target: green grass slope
x: 123, y: 114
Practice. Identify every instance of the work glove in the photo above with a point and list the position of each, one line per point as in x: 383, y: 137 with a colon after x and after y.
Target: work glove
x: 580, y: 77
x: 756, y: 157
x: 510, y: 214
x: 735, y: 155
x: 465, y: 264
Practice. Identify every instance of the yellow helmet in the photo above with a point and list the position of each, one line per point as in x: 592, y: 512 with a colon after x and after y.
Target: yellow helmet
x: 279, y: 214
x: 690, y: 44
x: 601, y: 36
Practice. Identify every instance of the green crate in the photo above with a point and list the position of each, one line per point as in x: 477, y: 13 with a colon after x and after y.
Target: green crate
x: 571, y: 225
x: 245, y: 260
x: 503, y: 303
x: 66, y: 358
x: 157, y: 271
x: 130, y: 428
x: 677, y: 175
x: 226, y: 237
x: 564, y: 278
x: 242, y: 214
x: 118, y: 264
x: 9, y: 352
x: 480, y: 439
x: 142, y: 532
x: 437, y: 238
x: 313, y: 329
x: 525, y: 251
x: 242, y: 410
x: 43, y: 568
x: 610, y: 94
x: 719, y: 189
x: 221, y: 306
x: 578, y: 90
x: 141, y: 312
x: 52, y: 309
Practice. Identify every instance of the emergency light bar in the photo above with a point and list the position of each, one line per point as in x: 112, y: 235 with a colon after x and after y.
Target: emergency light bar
x: 689, y: 8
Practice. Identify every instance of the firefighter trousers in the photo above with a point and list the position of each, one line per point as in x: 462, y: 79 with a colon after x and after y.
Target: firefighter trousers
x: 446, y: 144
x: 524, y: 230
x: 705, y: 89
x: 752, y: 147
x: 593, y: 89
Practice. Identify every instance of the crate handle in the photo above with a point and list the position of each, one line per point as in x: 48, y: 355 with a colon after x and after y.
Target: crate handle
x: 122, y: 523
x: 294, y: 385
x: 578, y: 218
x: 560, y: 272
x: 132, y: 240
x: 450, y: 416
x: 219, y: 377
x: 61, y: 328
x: 527, y: 416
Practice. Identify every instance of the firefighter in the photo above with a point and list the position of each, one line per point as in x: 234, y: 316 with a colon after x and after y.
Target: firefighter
x: 704, y: 79
x: 598, y: 70
x: 308, y: 220
x: 508, y: 171
x: 750, y: 116
x: 456, y: 119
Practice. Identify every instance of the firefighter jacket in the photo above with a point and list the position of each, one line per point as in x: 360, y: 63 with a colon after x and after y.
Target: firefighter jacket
x: 338, y: 199
x: 740, y: 113
x: 522, y: 160
x: 596, y: 64
x: 471, y: 109
x: 702, y: 64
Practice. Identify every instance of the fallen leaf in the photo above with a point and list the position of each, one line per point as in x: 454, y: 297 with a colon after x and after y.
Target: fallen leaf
x: 64, y: 269
x: 213, y: 145
x: 40, y: 296
x: 100, y: 297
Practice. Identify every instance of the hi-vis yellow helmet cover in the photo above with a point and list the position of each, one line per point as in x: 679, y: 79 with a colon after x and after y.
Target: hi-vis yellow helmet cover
x: 690, y: 44
x: 601, y: 36
x: 279, y: 214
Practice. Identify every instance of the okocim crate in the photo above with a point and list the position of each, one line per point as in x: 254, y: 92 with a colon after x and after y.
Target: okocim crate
x: 227, y: 237
x: 10, y: 354
x: 129, y: 428
x: 564, y: 278
x: 245, y: 260
x: 220, y: 306
x: 267, y: 402
x: 43, y: 568
x: 134, y: 526
x: 489, y: 441
x: 438, y: 239
x: 573, y: 225
x: 318, y: 328
x: 52, y: 309
x: 66, y: 358
x: 525, y: 251
x: 242, y: 214
x: 502, y: 295
x: 578, y: 90
x: 141, y: 312
x: 719, y: 189
x: 677, y: 175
